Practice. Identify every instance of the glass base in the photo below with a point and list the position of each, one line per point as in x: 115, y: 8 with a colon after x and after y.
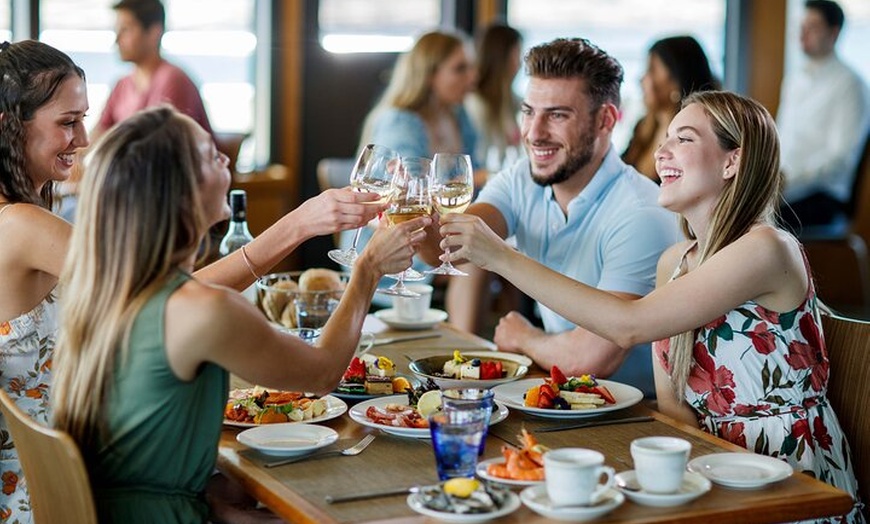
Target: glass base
x: 409, y: 275
x: 345, y: 257
x: 445, y: 269
x: 397, y: 291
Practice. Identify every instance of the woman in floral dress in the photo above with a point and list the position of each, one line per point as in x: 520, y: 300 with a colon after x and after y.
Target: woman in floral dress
x: 740, y: 350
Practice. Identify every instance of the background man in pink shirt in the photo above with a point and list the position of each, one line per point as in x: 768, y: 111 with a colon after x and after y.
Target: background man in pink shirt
x: 139, y: 28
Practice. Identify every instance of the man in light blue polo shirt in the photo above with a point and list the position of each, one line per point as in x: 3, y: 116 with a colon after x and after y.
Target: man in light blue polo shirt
x: 576, y: 207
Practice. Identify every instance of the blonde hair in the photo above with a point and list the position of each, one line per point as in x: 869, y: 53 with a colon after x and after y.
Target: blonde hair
x: 749, y: 197
x: 410, y: 86
x: 138, y: 219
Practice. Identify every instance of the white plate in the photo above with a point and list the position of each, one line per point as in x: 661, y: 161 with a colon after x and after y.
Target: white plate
x: 358, y: 413
x: 480, y: 471
x: 522, y: 362
x: 536, y: 499
x: 741, y: 470
x: 430, y: 318
x: 287, y: 439
x: 512, y: 503
x: 693, y: 486
x: 512, y: 395
x: 335, y: 407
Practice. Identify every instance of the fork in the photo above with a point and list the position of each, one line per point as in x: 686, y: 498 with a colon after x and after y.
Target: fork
x: 356, y: 449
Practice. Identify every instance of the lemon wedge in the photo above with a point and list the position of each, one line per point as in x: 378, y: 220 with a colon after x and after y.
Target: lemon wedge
x: 461, y: 487
x: 429, y: 403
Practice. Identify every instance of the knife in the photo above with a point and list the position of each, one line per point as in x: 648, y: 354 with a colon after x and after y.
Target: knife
x: 628, y: 420
x: 390, y: 340
x: 369, y: 495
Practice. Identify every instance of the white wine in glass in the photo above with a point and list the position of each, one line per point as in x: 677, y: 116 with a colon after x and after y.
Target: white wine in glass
x: 452, y: 190
x: 373, y: 172
x: 410, y: 199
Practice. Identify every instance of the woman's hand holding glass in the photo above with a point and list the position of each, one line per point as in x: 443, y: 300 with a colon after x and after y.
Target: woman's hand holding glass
x: 391, y: 249
x: 410, y: 199
x: 373, y: 172
x: 452, y: 190
x: 473, y: 240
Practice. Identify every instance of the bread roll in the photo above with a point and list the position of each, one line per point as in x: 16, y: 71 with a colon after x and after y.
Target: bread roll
x: 275, y: 300
x: 320, y: 279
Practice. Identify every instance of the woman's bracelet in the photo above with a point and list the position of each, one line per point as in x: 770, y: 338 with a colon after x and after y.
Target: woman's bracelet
x: 248, y: 263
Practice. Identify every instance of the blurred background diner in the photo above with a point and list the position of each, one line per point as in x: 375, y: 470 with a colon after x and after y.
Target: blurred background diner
x: 676, y: 67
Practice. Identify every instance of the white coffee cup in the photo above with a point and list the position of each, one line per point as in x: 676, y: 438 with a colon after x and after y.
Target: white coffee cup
x: 413, y: 309
x: 573, y: 476
x: 660, y: 463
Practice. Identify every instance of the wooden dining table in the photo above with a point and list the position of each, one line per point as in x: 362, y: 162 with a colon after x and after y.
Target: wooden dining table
x: 296, y: 492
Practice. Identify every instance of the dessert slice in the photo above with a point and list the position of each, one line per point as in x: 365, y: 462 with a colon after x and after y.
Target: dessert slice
x: 375, y: 385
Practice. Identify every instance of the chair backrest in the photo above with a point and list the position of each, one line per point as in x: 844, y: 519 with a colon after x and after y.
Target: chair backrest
x: 859, y: 204
x: 848, y: 343
x: 334, y: 172
x: 57, y: 480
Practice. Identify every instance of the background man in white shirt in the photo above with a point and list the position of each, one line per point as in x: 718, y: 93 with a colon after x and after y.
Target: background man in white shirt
x: 823, y: 120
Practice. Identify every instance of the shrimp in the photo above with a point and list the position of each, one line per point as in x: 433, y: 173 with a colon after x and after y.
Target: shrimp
x: 520, y: 467
x: 531, y: 448
x: 520, y: 464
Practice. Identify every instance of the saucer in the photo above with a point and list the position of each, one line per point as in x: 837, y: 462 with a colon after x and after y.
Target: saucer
x: 694, y: 485
x: 536, y: 499
x: 430, y: 318
x: 741, y: 470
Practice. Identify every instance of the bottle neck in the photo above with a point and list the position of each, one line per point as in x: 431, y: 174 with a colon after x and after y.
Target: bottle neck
x: 238, y: 228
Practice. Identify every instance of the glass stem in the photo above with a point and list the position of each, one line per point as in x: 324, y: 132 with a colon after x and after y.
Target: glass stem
x: 447, y: 262
x: 356, y: 238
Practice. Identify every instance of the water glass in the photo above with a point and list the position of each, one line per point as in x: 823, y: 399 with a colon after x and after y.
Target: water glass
x: 456, y: 438
x: 313, y: 310
x: 478, y: 402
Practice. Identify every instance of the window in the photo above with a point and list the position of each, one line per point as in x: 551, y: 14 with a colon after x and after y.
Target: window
x: 852, y: 45
x: 360, y: 26
x: 625, y: 29
x: 5, y: 21
x: 214, y: 41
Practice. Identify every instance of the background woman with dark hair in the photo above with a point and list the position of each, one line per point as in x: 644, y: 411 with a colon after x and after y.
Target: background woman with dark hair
x: 677, y: 67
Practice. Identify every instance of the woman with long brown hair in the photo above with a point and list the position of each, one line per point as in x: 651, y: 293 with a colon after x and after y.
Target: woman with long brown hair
x: 43, y: 102
x: 144, y: 350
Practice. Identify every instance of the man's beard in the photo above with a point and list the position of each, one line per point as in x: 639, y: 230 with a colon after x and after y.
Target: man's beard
x: 575, y: 162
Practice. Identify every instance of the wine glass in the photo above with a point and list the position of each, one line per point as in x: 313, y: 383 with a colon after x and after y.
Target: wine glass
x: 452, y: 189
x: 373, y: 172
x: 410, y: 199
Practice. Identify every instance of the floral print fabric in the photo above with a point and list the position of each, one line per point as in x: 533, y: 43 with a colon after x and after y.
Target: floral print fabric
x: 26, y: 345
x: 759, y: 380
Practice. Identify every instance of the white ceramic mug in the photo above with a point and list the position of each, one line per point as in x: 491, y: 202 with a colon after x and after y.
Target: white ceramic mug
x: 573, y: 476
x: 660, y: 463
x: 413, y: 309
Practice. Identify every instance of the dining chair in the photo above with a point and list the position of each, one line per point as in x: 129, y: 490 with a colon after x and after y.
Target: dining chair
x: 57, y: 480
x: 848, y: 343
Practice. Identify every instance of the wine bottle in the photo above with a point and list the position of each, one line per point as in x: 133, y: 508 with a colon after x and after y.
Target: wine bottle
x: 237, y: 233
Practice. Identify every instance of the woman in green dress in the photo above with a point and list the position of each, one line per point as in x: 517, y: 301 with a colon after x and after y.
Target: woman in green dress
x: 144, y: 350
